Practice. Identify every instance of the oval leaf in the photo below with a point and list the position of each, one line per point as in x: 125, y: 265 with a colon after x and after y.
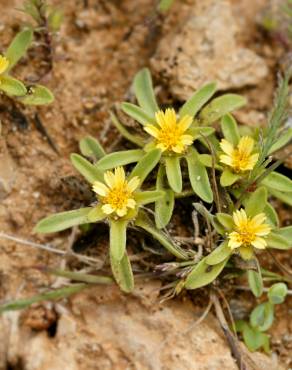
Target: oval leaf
x: 18, y: 47
x: 228, y: 178
x: 123, y: 274
x: 119, y: 159
x: 63, y: 220
x: 256, y: 202
x: 197, y: 100
x: 230, y: 129
x: 11, y: 86
x: 276, y: 241
x: 38, y: 95
x: 137, y: 113
x: 278, y: 182
x: 262, y: 316
x: 144, y: 92
x: 146, y: 164
x: 225, y: 220
x: 118, y: 238
x: 277, y: 293
x: 219, y: 254
x: 173, y: 173
x: 90, y: 147
x: 164, y: 206
x: 255, y: 282
x: 146, y: 197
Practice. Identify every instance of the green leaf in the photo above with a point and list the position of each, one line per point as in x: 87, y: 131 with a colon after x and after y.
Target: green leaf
x: 96, y: 214
x: 144, y: 222
x: 277, y: 293
x: 197, y: 100
x: 284, y: 197
x: 144, y: 92
x: 271, y: 214
x: 135, y: 139
x: 164, y: 206
x: 146, y: 164
x: 123, y: 274
x: 51, y: 295
x: 37, y: 95
x: 278, y: 182
x: 203, y: 274
x: 262, y: 316
x: 164, y: 5
x: 146, y: 197
x: 90, y: 147
x: 11, y: 86
x: 228, y: 178
x: 255, y: 282
x: 137, y: 113
x: 79, y: 276
x: 173, y: 173
x: 230, y: 129
x: 206, y: 160
x: 119, y: 159
x: 253, y: 338
x: 18, y: 47
x: 197, y: 132
x: 286, y: 233
x: 219, y: 254
x: 225, y: 220
x: 63, y: 220
x: 221, y: 106
x: 118, y: 238
x: 281, y: 141
x: 208, y: 216
x: 88, y: 170
x: 199, y: 177
x: 276, y: 241
x: 256, y: 202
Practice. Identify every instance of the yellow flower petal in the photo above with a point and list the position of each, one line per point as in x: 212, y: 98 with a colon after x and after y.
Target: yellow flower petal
x: 259, y: 243
x: 107, y: 209
x: 246, y: 252
x: 226, y: 159
x: 152, y: 130
x: 245, y: 145
x: 187, y: 139
x: 227, y: 147
x: 122, y: 211
x: 4, y: 63
x: 109, y: 179
x: 133, y: 183
x: 131, y: 203
x: 185, y: 122
x: 100, y: 189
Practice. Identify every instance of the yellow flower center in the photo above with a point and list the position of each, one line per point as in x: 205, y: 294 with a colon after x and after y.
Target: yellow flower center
x: 241, y: 157
x: 168, y: 133
x: 4, y: 63
x: 116, y: 194
x: 248, y: 232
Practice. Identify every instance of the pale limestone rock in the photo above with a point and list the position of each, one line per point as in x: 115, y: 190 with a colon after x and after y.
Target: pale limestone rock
x: 204, y: 48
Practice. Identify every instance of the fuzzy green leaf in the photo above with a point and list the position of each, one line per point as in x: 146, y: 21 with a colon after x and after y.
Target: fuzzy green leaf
x: 18, y: 47
x: 219, y: 254
x: 90, y: 147
x: 278, y: 182
x: 199, y: 177
x: 63, y: 220
x: 88, y: 170
x: 173, y: 173
x: 164, y: 206
x: 256, y: 202
x: 282, y: 141
x: 225, y: 220
x: 119, y: 159
x: 230, y: 129
x: 37, y: 95
x: 146, y: 197
x: 262, y: 316
x: 146, y: 164
x: 276, y: 241
x: 144, y: 92
x: 286, y: 233
x: 255, y: 282
x: 144, y: 222
x: 277, y: 293
x: 118, y: 238
x: 137, y: 113
x: 197, y: 100
x: 284, y: 197
x: 11, y: 86
x: 203, y: 274
x: 271, y: 215
x: 228, y: 178
x: 123, y: 273
x: 221, y: 106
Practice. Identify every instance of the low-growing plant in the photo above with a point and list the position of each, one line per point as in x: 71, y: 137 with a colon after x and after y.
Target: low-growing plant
x: 226, y: 172
x: 14, y: 88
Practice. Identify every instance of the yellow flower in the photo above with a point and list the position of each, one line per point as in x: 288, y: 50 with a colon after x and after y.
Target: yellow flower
x: 117, y: 195
x: 248, y: 233
x: 239, y: 158
x: 4, y: 63
x: 170, y: 134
